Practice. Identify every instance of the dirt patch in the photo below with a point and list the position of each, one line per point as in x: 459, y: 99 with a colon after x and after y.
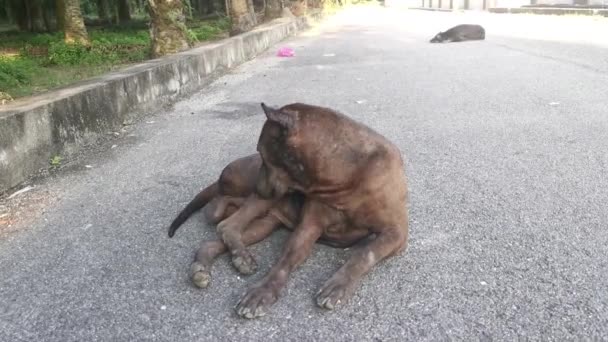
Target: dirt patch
x: 20, y: 210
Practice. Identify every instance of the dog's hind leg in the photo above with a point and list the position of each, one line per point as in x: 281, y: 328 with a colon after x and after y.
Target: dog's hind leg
x: 222, y: 207
x: 231, y: 229
x: 256, y: 231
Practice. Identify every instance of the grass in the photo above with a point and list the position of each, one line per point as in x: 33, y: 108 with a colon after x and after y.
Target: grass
x: 31, y: 63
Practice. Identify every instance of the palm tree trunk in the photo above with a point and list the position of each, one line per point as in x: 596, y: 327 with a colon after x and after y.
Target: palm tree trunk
x: 75, y: 31
x: 242, y: 15
x: 167, y: 27
x: 273, y: 9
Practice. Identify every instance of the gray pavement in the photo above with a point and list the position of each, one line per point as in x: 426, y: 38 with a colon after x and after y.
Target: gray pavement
x: 507, y: 153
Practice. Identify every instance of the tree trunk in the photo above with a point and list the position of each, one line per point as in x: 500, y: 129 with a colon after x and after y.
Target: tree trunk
x: 60, y: 14
x: 34, y: 8
x: 188, y: 8
x: 210, y: 7
x: 167, y: 27
x: 46, y: 17
x: 103, y: 10
x: 19, y: 12
x: 298, y: 7
x: 196, y: 7
x: 242, y: 15
x: 75, y: 31
x: 259, y: 5
x: 274, y: 8
x: 124, y: 13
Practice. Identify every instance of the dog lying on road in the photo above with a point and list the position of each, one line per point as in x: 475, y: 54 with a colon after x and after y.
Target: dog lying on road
x: 320, y: 173
x: 220, y: 200
x: 460, y: 33
x: 354, y: 184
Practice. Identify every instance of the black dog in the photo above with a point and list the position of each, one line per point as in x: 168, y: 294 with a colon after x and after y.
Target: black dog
x: 460, y: 33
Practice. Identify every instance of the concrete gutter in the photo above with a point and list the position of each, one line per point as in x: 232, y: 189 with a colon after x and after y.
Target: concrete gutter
x: 550, y: 11
x: 65, y: 121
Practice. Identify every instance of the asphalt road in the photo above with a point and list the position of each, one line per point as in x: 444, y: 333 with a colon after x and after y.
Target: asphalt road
x: 506, y: 147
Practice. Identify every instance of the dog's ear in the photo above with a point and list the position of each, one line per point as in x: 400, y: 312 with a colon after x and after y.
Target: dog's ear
x: 284, y: 119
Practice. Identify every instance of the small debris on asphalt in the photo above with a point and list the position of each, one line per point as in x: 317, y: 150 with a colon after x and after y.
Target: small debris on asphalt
x: 361, y: 101
x: 114, y: 146
x: 88, y: 166
x: 19, y: 192
x: 553, y: 103
x: 150, y: 122
x: 286, y: 52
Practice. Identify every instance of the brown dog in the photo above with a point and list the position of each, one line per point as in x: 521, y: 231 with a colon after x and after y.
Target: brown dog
x: 235, y: 188
x: 355, y: 185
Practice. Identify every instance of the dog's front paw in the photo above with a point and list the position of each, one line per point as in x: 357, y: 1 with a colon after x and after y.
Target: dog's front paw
x: 244, y: 262
x: 200, y: 275
x: 256, y: 302
x: 334, y: 292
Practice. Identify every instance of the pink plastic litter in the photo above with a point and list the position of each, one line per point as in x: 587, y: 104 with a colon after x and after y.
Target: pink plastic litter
x: 285, y: 52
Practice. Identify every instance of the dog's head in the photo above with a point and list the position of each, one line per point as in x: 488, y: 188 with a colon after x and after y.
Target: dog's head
x: 281, y: 170
x: 438, y: 38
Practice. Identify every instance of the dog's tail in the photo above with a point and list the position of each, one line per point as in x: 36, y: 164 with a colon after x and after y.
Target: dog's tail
x: 197, y: 203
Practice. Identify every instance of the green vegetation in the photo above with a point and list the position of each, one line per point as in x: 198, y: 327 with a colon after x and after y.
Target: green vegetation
x: 31, y: 62
x: 208, y: 30
x: 45, y: 44
x: 56, y: 161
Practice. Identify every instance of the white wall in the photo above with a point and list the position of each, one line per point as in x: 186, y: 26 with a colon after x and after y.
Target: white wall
x: 510, y: 3
x: 458, y: 4
x: 404, y: 3
x: 555, y: 2
x: 445, y: 4
x: 476, y: 4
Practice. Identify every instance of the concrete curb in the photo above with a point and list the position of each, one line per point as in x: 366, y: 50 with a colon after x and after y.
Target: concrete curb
x: 550, y: 11
x: 64, y: 121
